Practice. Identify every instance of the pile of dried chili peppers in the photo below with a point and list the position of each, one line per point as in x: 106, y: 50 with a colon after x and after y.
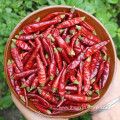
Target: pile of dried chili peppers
x: 58, y: 63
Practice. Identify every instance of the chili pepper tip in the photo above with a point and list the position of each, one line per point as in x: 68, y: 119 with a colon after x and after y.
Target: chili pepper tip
x: 105, y: 57
x: 28, y: 89
x: 78, y: 27
x: 39, y: 90
x: 21, y: 32
x: 23, y: 98
x: 38, y: 19
x: 32, y: 87
x: 9, y: 62
x: 54, y: 89
x: 72, y: 52
x: 76, y: 82
x: 72, y: 32
x: 51, y: 77
x: 67, y: 39
x: 94, y: 32
x: 48, y: 112
x: 72, y: 9
x: 98, y: 92
x: 22, y: 86
x: 16, y: 36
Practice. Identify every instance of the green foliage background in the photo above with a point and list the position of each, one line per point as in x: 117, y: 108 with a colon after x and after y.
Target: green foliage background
x: 12, y: 11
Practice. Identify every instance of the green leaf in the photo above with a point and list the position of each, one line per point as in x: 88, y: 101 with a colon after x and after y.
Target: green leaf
x: 113, y: 1
x: 75, y: 3
x: 41, y: 2
x: 8, y: 10
x: 2, y: 118
x: 112, y: 28
x: 50, y: 2
x: 28, y: 4
x: 62, y: 2
x: 6, y: 101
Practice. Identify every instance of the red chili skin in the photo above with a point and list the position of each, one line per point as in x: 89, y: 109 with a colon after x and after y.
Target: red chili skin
x: 32, y: 43
x: 47, y: 59
x: 10, y: 73
x: 34, y: 66
x: 47, y: 96
x: 34, y: 91
x: 73, y: 30
x: 77, y: 51
x: 90, y: 51
x: 50, y: 16
x: 77, y: 98
x: 75, y: 38
x: 64, y: 55
x: 25, y: 37
x: 94, y: 60
x: 94, y: 98
x: 59, y: 17
x: 95, y: 87
x: 47, y: 80
x: 19, y: 90
x: 74, y: 79
x: 81, y: 67
x: 15, y: 56
x: 96, y: 67
x: 56, y: 82
x: 33, y: 27
x: 41, y: 108
x: 62, y: 43
x: 31, y: 59
x: 101, y: 68
x: 80, y: 79
x: 61, y: 102
x: 42, y: 100
x: 22, y: 55
x: 67, y: 108
x: 26, y: 97
x: 27, y: 56
x: 24, y: 74
x: 22, y: 45
x: 57, y: 57
x: 87, y: 41
x: 41, y: 72
x: 105, y: 73
x: 86, y: 75
x: 71, y: 87
x: 41, y: 51
x: 47, y: 31
x: 62, y: 84
x: 70, y: 23
x: 35, y: 83
x: 65, y: 33
x: 34, y: 100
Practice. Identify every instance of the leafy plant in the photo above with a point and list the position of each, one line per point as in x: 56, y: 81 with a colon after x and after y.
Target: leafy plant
x: 12, y: 11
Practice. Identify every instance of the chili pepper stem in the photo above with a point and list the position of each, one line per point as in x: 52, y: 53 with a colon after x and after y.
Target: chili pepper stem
x: 54, y: 89
x: 72, y: 32
x: 42, y: 85
x: 28, y: 89
x: 105, y: 57
x: 76, y: 82
x: 83, y: 18
x: 16, y: 36
x: 62, y: 16
x: 13, y: 45
x: 89, y: 106
x: 9, y: 62
x: 38, y: 19
x: 90, y: 92
x: 62, y: 30
x: 94, y: 32
x: 51, y: 77
x: 78, y: 27
x: 22, y: 86
x: 39, y: 90
x: 98, y: 92
x: 108, y: 60
x: 32, y: 87
x: 11, y: 77
x: 13, y: 40
x: 93, y: 80
x: 35, y: 35
x: 62, y: 98
x: 67, y: 39
x: 89, y: 98
x: 72, y: 9
x: 48, y: 112
x: 23, y: 98
x: 21, y: 32
x: 72, y: 52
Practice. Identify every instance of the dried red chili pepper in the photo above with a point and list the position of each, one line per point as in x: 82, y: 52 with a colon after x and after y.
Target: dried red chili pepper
x: 94, y: 98
x: 47, y: 59
x: 71, y: 87
x: 15, y: 55
x: 25, y: 37
x: 73, y: 30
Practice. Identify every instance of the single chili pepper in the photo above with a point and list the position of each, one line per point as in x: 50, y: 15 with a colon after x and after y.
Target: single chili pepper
x: 71, y: 13
x: 70, y: 22
x: 73, y: 30
x: 80, y: 79
x: 34, y: 84
x: 96, y: 89
x: 63, y: 54
x: 71, y: 87
x: 57, y: 58
x: 65, y: 33
x: 42, y: 100
x: 41, y: 51
x: 74, y: 79
x: 29, y: 64
x: 62, y: 43
x: 87, y: 41
x: 94, y: 98
x: 41, y: 72
x: 59, y: 17
x: 75, y: 38
x: 42, y: 109
x: 86, y: 74
x: 32, y: 43
x: 36, y: 20
x: 50, y: 16
x: 101, y: 68
x: 56, y: 82
x: 96, y: 67
x: 27, y: 56
x: 47, y: 32
x: 47, y: 96
x: 15, y: 55
x: 21, y: 44
x: 26, y: 97
x: 25, y: 37
x: 61, y: 102
x: 68, y: 108
x: 22, y: 55
x: 77, y: 98
x: 17, y: 76
x: 94, y: 60
x: 90, y: 51
x: 62, y: 84
x: 105, y: 73
x: 47, y: 59
x: 28, y: 82
x: 19, y: 91
x: 33, y: 27
x: 10, y: 73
